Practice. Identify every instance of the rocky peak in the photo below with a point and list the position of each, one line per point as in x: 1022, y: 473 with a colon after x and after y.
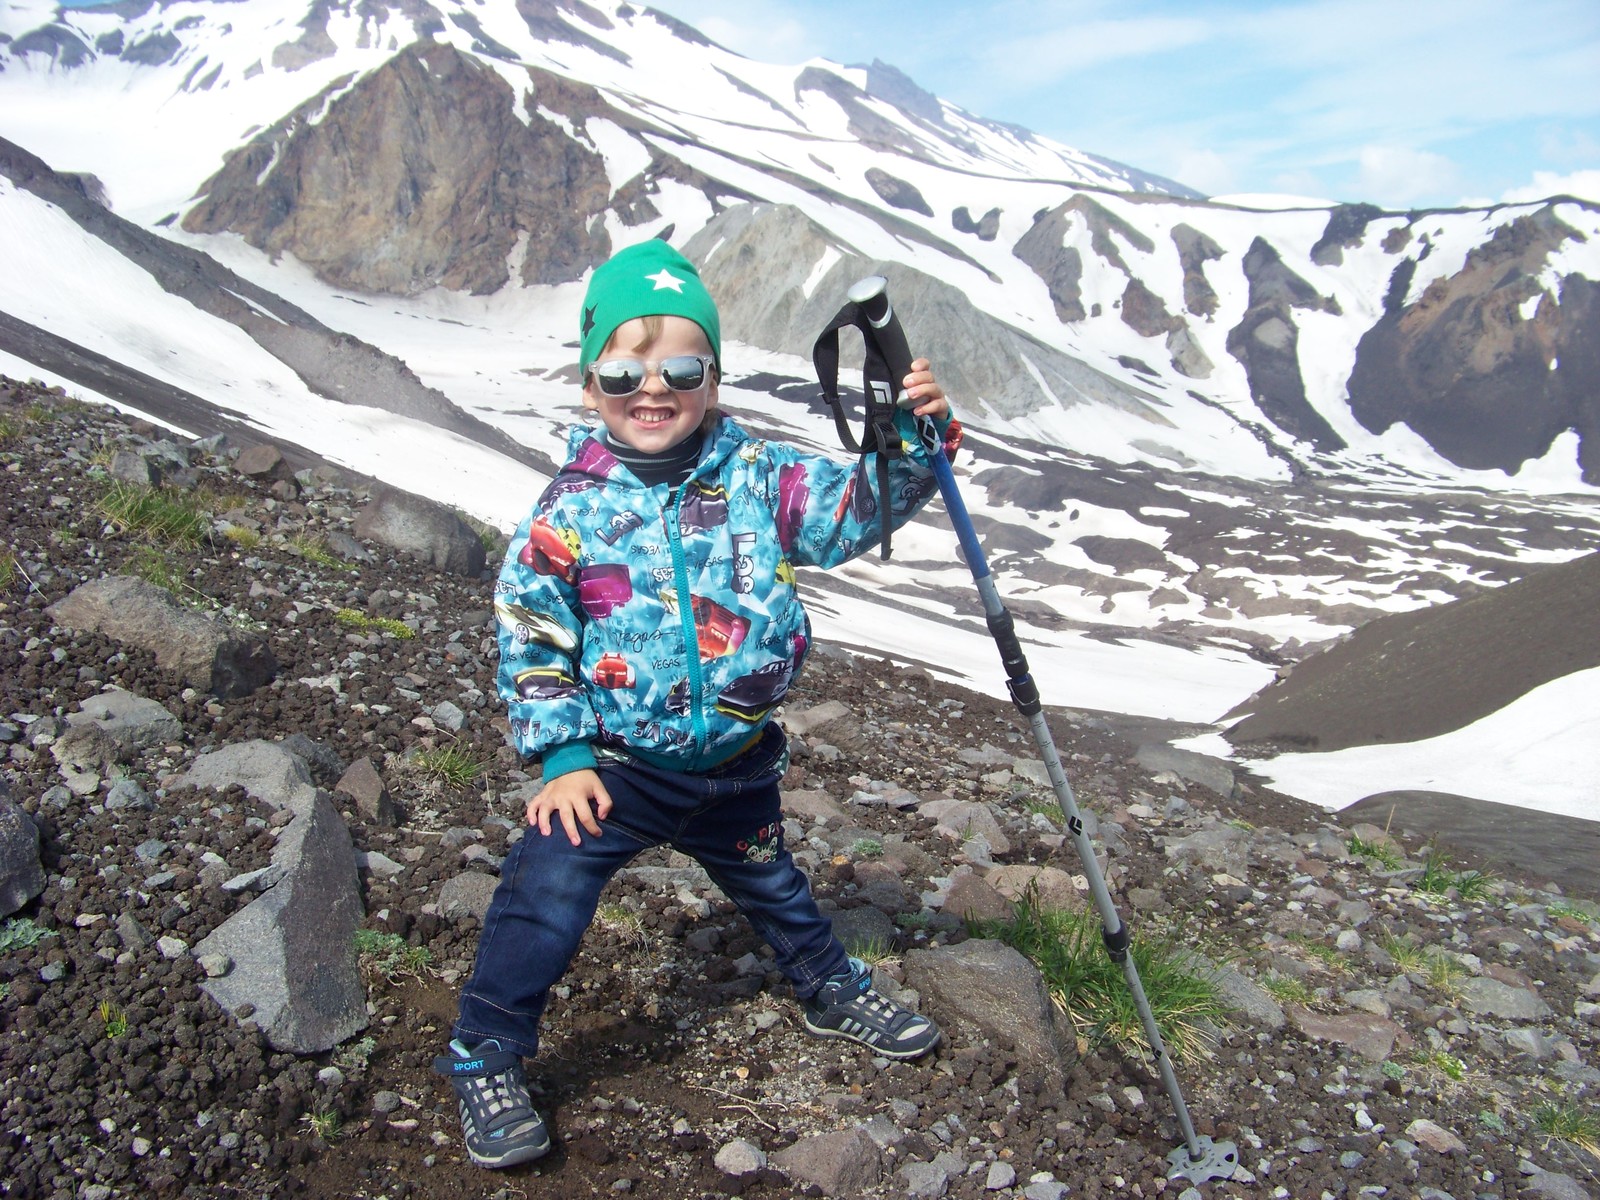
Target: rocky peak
x: 420, y: 175
x: 1467, y: 367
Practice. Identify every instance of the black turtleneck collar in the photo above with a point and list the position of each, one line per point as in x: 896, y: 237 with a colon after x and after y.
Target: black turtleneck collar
x: 670, y: 466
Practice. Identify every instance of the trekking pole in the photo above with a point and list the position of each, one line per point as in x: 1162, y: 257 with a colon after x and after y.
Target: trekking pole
x: 1200, y: 1158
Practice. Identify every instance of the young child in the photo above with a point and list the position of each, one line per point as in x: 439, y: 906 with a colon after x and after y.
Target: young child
x: 649, y: 625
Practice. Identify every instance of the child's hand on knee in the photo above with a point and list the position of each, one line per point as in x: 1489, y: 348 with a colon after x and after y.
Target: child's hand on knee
x: 577, y: 799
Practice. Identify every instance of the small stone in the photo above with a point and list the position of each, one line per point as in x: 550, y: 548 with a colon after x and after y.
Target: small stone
x: 172, y: 947
x: 330, y: 1077
x: 740, y: 1157
x: 1001, y: 1175
x: 53, y: 972
x: 385, y: 1103
x: 1435, y: 1137
x: 215, y: 965
x: 140, y: 1147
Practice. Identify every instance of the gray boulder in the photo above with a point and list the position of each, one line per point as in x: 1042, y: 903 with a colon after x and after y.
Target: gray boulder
x: 203, y: 652
x: 994, y: 992
x: 466, y: 895
x: 363, y: 785
x: 132, y: 722
x: 21, y: 874
x: 1211, y: 773
x: 268, y: 771
x: 844, y: 1163
x: 419, y: 527
x: 293, y: 948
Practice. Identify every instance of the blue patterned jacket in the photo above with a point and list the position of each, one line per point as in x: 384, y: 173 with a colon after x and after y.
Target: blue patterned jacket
x: 666, y: 623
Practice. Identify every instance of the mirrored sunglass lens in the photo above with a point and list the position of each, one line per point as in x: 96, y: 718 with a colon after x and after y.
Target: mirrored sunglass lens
x: 623, y: 377
x: 683, y: 372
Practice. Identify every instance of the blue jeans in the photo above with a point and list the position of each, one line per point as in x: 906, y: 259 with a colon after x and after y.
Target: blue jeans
x: 728, y: 820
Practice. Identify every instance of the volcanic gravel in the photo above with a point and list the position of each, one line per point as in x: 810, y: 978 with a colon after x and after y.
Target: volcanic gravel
x: 671, y: 1036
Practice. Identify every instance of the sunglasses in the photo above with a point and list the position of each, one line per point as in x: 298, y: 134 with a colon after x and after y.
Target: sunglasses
x: 625, y: 376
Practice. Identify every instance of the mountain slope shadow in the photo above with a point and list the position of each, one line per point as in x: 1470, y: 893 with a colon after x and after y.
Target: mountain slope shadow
x: 1416, y: 675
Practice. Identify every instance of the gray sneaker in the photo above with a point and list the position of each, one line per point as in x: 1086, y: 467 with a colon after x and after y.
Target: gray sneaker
x: 847, y: 1007
x: 497, y: 1116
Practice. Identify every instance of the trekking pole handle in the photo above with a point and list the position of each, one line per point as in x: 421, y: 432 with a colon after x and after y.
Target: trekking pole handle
x: 872, y: 294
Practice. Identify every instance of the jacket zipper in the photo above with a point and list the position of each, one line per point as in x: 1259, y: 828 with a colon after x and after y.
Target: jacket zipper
x: 691, y: 638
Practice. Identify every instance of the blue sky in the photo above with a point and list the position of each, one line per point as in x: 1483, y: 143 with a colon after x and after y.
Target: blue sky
x: 1396, y: 102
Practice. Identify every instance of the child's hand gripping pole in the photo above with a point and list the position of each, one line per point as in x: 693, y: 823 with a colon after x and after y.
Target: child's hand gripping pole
x: 1200, y: 1158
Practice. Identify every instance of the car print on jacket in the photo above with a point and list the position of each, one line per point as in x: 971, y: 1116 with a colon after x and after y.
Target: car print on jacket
x: 751, y: 697
x: 529, y: 626
x: 544, y: 683
x: 604, y: 587
x: 613, y: 671
x: 793, y: 492
x: 702, y: 507
x: 550, y: 551
x: 718, y: 630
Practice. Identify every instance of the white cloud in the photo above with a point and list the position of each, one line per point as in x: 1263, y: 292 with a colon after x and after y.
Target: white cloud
x: 1397, y: 175
x: 1050, y: 54
x: 1583, y: 184
x: 1205, y: 171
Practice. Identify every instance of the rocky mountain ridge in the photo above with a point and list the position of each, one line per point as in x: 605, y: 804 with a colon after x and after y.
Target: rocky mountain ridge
x: 1386, y: 1032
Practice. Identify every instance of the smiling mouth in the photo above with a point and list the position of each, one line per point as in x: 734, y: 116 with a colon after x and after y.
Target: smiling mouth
x: 652, y: 416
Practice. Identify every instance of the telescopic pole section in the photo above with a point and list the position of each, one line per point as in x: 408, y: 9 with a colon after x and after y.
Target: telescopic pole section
x: 1200, y: 1158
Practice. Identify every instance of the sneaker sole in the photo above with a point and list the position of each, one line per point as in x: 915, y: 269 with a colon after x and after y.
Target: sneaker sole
x: 511, y: 1158
x: 886, y: 1051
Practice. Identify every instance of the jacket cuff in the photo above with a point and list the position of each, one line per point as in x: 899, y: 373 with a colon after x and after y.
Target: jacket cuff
x: 567, y: 758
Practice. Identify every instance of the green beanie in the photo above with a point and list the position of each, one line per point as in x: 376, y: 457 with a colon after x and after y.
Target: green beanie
x: 649, y: 279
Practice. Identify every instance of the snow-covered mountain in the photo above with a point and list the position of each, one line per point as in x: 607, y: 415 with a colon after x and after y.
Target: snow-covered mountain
x: 1207, y: 435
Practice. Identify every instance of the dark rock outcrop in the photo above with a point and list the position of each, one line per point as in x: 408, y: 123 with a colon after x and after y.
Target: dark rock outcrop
x: 1266, y: 341
x: 986, y: 227
x: 1195, y: 249
x: 896, y: 192
x: 1487, y: 385
x: 1060, y: 265
x: 421, y: 175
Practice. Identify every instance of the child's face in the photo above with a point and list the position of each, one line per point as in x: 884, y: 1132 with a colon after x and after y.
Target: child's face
x: 655, y: 417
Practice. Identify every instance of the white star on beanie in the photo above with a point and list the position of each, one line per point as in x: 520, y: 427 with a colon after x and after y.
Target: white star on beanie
x: 666, y: 281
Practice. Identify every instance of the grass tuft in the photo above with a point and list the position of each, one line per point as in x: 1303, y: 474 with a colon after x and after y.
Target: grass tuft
x: 448, y: 766
x: 622, y: 921
x: 1437, y: 879
x: 157, y: 515
x: 1570, y: 1122
x: 874, y: 951
x: 1380, y: 853
x: 1288, y: 990
x: 242, y: 537
x: 114, y: 1019
x: 1092, y: 990
x: 325, y: 1125
x: 389, y: 954
x: 314, y: 549
x: 352, y: 618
